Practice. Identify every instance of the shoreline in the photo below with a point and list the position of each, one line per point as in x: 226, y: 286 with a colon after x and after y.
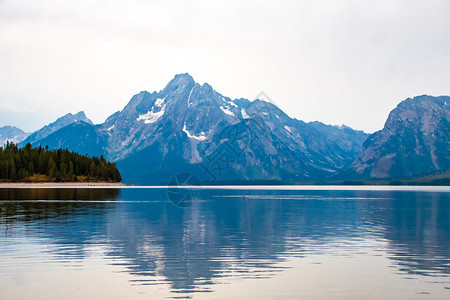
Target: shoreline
x: 119, y: 185
x: 60, y: 184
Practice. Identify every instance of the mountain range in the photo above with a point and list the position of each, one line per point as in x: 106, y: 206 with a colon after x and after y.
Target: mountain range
x: 12, y: 134
x: 191, y: 128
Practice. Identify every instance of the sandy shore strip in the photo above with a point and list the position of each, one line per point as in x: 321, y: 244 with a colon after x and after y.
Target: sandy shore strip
x: 60, y: 184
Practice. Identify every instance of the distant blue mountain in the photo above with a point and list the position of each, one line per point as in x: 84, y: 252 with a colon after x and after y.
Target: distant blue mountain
x: 79, y: 137
x: 188, y: 127
x: 55, y: 126
x: 11, y: 134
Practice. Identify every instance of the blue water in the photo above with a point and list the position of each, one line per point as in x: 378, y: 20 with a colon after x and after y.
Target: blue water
x: 224, y: 243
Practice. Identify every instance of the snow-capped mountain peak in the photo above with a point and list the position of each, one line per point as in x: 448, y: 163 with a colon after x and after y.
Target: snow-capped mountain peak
x: 188, y: 126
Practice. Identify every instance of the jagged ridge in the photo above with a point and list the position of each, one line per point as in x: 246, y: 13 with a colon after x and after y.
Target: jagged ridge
x: 189, y: 127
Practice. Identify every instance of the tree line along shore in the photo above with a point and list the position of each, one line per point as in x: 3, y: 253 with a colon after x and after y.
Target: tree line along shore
x: 41, y: 164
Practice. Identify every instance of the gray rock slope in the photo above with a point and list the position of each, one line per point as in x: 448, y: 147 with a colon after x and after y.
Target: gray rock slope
x: 414, y: 141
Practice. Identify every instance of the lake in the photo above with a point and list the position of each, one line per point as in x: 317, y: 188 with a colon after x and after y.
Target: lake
x: 225, y: 243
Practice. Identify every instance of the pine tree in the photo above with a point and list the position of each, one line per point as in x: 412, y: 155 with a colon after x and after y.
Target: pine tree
x: 41, y: 162
x: 62, y: 170
x: 71, y: 171
x: 30, y: 168
x: 92, y: 170
x: 51, y: 168
x: 12, y: 169
x: 18, y: 164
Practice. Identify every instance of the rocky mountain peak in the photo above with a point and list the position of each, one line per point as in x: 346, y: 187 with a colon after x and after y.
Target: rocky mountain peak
x: 424, y: 111
x: 55, y: 126
x: 81, y: 116
x: 414, y: 140
x: 70, y: 118
x: 179, y: 83
x: 11, y: 134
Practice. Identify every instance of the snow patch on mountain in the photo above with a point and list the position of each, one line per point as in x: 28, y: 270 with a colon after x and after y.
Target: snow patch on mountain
x: 200, y: 137
x: 227, y: 111
x: 189, y: 98
x: 151, y: 116
x: 232, y: 103
x: 244, y: 114
x: 160, y: 101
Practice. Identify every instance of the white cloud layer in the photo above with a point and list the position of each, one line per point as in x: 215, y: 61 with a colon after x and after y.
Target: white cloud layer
x: 341, y: 61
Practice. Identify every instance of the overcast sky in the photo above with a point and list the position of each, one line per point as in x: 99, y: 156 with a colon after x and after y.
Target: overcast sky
x: 340, y: 62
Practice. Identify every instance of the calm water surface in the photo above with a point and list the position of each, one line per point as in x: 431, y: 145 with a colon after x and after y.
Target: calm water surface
x: 274, y: 244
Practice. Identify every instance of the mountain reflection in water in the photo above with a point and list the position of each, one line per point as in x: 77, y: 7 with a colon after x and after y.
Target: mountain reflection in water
x: 194, y: 249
